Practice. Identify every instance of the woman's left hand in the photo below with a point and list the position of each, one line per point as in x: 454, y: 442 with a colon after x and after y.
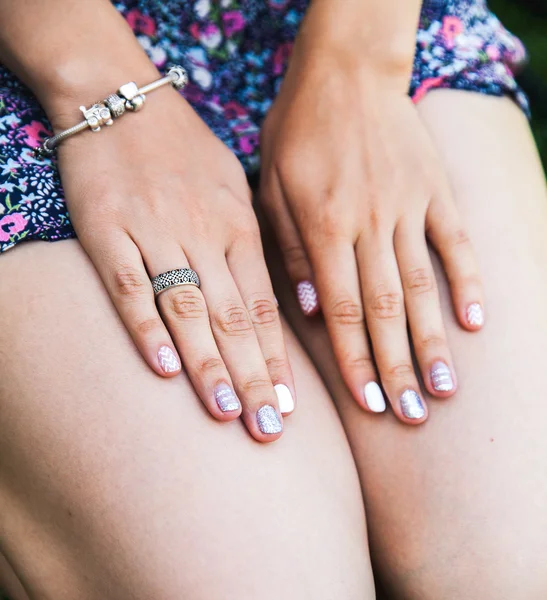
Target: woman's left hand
x: 353, y: 187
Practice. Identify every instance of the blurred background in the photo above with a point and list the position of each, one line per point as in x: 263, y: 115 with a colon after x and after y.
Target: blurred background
x: 528, y: 20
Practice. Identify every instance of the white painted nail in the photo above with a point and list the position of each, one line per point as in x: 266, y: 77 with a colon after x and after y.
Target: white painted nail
x: 475, y: 315
x: 374, y: 397
x: 285, y: 399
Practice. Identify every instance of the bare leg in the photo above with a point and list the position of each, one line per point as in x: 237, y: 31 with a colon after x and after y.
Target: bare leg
x: 456, y: 508
x: 10, y: 586
x: 116, y: 484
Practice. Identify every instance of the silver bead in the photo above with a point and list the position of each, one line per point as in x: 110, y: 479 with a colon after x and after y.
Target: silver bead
x: 179, y: 77
x: 116, y: 105
x: 128, y: 90
x: 136, y: 103
x: 96, y: 116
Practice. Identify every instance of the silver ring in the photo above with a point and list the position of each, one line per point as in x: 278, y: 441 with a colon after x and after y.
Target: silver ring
x: 170, y: 279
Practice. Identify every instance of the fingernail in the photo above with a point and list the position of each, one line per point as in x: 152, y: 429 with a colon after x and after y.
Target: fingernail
x: 374, y: 397
x: 441, y: 377
x: 285, y: 399
x: 412, y: 405
x: 276, y: 300
x: 307, y: 297
x: 268, y: 420
x: 226, y: 399
x: 168, y: 360
x: 475, y: 315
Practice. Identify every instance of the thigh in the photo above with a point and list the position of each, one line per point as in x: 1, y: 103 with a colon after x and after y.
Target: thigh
x: 116, y: 483
x: 456, y: 508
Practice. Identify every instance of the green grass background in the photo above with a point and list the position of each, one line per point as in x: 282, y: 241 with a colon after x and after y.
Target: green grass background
x: 532, y: 30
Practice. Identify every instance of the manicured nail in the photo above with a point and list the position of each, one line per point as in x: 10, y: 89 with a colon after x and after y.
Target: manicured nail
x: 307, y: 297
x: 268, y: 420
x: 168, y: 360
x: 276, y: 300
x: 226, y: 399
x: 374, y: 397
x: 412, y: 405
x: 475, y: 315
x: 285, y: 399
x: 441, y: 377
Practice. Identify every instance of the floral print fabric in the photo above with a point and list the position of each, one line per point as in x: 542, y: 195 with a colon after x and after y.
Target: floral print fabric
x: 236, y: 52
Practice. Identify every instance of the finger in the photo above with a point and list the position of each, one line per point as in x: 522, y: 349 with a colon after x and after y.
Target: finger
x: 120, y: 265
x: 449, y: 238
x: 290, y: 243
x: 386, y: 320
x: 184, y: 311
x: 238, y: 345
x: 338, y: 283
x: 423, y: 309
x: 246, y: 262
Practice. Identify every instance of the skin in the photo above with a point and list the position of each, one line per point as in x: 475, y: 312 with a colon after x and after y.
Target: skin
x: 121, y: 493
x: 190, y: 206
x: 118, y: 484
x: 193, y: 209
x: 353, y: 204
x: 454, y: 510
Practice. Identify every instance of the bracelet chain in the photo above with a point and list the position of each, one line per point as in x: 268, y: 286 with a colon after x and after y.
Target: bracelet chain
x: 128, y: 98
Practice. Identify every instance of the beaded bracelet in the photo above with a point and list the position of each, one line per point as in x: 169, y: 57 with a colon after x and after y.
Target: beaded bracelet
x: 128, y: 98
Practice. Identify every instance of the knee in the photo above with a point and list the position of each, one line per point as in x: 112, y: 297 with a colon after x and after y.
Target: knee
x: 459, y: 563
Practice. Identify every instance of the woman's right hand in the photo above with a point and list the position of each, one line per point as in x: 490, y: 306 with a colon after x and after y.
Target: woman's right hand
x: 158, y: 191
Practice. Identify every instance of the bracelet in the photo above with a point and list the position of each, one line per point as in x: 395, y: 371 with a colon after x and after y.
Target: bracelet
x: 128, y: 98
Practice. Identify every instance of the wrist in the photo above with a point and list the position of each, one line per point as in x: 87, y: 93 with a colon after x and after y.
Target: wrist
x: 363, y: 34
x: 77, y: 82
x: 67, y: 55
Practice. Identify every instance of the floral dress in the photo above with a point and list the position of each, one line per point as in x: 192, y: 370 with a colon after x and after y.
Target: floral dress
x: 236, y: 52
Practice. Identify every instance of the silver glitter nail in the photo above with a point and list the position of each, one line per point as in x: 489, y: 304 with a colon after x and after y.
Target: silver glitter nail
x: 226, y: 399
x: 441, y: 377
x: 412, y: 405
x: 268, y: 420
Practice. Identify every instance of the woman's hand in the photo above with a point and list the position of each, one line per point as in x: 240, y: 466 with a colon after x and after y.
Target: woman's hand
x: 353, y: 187
x: 158, y: 191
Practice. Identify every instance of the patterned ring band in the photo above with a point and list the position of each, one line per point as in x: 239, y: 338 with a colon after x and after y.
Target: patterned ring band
x: 170, y: 279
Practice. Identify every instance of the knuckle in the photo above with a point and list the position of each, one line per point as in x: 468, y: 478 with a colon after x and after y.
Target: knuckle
x: 256, y: 384
x: 361, y: 363
x: 460, y: 237
x: 247, y: 233
x: 294, y: 255
x: 345, y: 311
x: 276, y: 364
x: 263, y: 312
x: 208, y: 364
x: 469, y: 281
x: 143, y: 328
x: 419, y: 281
x: 431, y: 341
x: 248, y: 224
x: 233, y: 320
x: 329, y: 227
x: 129, y: 283
x: 386, y: 305
x: 399, y: 371
x: 373, y: 219
x: 186, y: 303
